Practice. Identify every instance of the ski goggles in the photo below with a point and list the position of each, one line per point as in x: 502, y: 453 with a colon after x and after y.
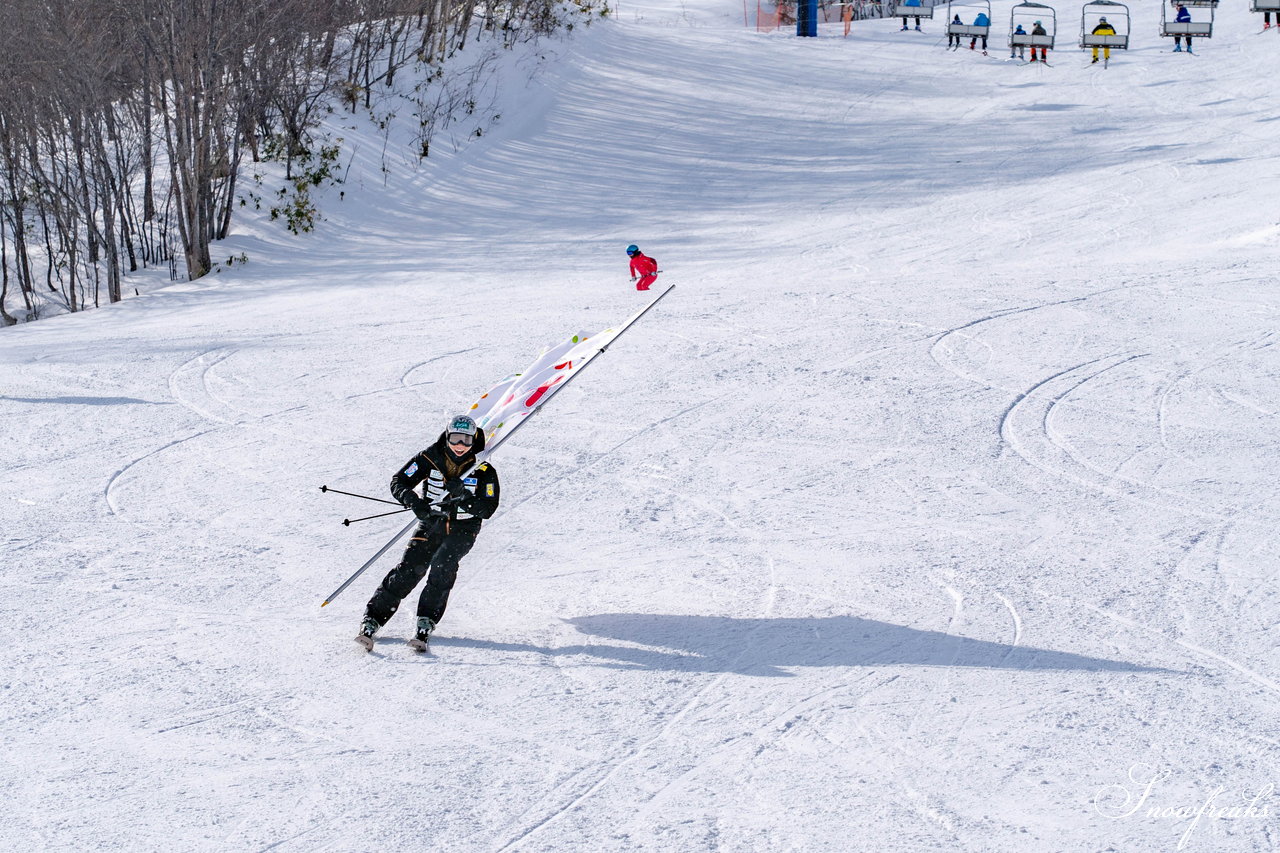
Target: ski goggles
x: 461, y: 438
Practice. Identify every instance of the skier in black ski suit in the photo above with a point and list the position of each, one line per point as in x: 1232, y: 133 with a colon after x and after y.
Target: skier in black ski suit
x: 451, y: 510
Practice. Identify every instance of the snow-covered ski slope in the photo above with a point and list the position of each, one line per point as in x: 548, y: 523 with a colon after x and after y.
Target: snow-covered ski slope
x: 936, y: 509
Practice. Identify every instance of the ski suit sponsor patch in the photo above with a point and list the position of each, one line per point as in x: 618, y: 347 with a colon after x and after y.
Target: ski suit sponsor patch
x: 411, y: 470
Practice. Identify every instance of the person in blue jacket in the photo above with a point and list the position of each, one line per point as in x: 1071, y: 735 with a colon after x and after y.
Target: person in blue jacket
x: 980, y: 21
x: 954, y: 36
x: 1184, y: 17
x: 903, y: 5
x: 1018, y: 51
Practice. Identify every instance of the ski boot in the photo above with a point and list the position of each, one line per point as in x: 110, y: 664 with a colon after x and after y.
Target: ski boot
x: 1177, y: 48
x: 367, y: 629
x: 423, y: 635
x: 904, y: 28
x: 918, y: 29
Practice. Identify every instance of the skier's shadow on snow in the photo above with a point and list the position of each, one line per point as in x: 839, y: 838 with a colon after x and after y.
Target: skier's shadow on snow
x: 772, y: 646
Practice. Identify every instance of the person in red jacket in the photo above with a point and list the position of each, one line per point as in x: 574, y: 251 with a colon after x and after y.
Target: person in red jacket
x: 643, y: 267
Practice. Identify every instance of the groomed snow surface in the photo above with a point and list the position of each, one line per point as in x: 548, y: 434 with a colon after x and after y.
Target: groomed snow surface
x: 935, y: 509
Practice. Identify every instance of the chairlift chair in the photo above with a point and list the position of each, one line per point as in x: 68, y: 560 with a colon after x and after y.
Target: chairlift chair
x: 902, y: 10
x: 1117, y: 15
x: 970, y: 30
x: 1031, y: 12
x: 1198, y: 29
x: 1264, y: 6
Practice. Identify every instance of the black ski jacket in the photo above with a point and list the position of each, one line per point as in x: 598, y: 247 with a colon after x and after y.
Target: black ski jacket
x: 435, y: 467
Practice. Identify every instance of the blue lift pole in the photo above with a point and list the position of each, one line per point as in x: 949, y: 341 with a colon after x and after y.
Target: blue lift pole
x: 807, y: 18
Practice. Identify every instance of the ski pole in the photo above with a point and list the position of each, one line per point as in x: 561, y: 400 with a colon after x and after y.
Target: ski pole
x: 358, y: 572
x: 347, y: 522
x: 369, y: 563
x: 354, y: 495
x: 488, y: 451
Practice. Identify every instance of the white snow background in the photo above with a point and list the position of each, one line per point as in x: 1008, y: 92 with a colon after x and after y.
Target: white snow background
x: 935, y: 509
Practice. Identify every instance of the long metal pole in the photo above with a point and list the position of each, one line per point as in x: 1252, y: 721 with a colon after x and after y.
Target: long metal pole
x: 488, y: 451
x: 370, y: 562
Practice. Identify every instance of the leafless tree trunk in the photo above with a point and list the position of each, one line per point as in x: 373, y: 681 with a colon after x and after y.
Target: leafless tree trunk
x: 5, y: 317
x: 95, y: 92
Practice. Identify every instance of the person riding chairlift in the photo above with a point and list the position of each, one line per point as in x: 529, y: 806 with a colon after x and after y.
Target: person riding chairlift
x: 1103, y: 29
x: 1184, y: 17
x: 1019, y: 51
x: 1037, y: 29
x: 905, y: 4
x: 980, y: 21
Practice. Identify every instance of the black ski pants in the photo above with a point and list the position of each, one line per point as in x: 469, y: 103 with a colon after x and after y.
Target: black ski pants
x: 434, y: 552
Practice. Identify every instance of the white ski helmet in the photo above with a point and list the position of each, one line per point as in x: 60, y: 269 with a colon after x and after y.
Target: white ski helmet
x: 462, y: 425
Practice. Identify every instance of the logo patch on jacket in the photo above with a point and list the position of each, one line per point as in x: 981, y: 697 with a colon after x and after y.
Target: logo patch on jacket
x: 489, y: 490
x: 411, y: 470
x: 469, y: 481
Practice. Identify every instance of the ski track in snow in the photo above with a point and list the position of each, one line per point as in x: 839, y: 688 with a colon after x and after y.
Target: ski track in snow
x: 189, y: 385
x: 112, y: 503
x: 1200, y: 651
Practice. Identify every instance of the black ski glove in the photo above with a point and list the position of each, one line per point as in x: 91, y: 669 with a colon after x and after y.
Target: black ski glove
x: 455, y: 495
x: 455, y: 490
x: 424, y: 510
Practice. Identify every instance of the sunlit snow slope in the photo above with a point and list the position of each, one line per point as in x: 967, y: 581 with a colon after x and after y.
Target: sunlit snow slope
x: 935, y: 509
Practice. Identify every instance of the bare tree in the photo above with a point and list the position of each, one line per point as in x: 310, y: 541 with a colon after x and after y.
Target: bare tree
x: 125, y: 121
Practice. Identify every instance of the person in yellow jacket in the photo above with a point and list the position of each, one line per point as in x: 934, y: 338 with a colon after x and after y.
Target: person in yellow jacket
x: 1103, y: 29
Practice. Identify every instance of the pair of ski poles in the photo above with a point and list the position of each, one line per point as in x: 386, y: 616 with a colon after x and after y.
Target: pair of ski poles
x: 347, y: 522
